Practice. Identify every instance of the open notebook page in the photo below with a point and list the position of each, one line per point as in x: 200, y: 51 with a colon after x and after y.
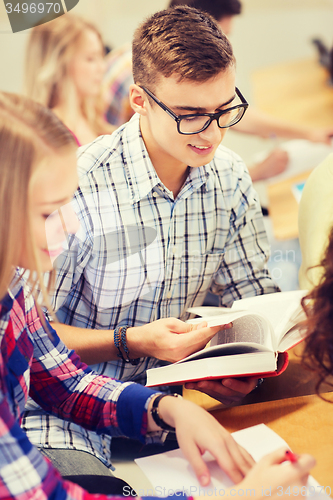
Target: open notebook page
x: 170, y: 472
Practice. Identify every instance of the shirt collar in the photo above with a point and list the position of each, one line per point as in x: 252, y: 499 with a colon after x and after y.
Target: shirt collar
x: 141, y: 175
x: 140, y: 172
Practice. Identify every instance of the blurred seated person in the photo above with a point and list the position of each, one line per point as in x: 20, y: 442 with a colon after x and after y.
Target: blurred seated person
x: 64, y: 71
x: 118, y: 78
x: 315, y: 221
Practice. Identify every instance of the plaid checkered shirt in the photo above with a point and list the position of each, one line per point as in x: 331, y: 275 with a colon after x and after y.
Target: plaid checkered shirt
x: 34, y: 362
x: 141, y: 255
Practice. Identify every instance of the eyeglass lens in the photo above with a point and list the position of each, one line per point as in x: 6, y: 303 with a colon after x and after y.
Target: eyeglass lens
x: 196, y: 123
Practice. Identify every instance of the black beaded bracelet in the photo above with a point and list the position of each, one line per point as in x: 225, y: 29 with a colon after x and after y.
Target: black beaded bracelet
x: 123, y: 330
x: 124, y: 346
x: 155, y: 413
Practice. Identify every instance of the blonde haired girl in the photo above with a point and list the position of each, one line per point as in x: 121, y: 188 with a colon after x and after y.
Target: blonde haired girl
x: 29, y: 135
x: 64, y: 70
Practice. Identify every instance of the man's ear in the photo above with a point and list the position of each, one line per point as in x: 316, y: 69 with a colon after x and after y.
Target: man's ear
x: 137, y: 99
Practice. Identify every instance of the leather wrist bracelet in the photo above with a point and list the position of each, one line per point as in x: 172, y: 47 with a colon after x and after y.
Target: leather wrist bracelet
x: 119, y: 338
x: 155, y: 413
x: 116, y: 340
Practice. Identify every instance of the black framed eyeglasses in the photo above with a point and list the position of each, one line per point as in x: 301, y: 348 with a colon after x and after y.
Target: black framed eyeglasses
x: 198, y: 122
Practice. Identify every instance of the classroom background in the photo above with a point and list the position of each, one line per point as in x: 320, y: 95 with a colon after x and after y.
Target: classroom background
x: 266, y: 33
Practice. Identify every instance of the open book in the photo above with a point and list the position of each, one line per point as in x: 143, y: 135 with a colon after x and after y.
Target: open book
x: 264, y: 328
x: 170, y: 472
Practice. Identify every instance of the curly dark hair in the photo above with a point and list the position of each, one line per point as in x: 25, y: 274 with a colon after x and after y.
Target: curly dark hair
x: 318, y: 306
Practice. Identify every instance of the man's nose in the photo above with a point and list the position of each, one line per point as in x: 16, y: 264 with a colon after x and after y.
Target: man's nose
x: 213, y: 134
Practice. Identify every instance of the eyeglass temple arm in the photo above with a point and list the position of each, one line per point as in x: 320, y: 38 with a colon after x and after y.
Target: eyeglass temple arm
x: 161, y: 104
x: 240, y: 95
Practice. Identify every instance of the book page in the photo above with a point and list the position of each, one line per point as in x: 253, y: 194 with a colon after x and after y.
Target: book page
x: 291, y: 338
x: 279, y: 308
x: 247, y: 328
x: 250, y: 333
x: 170, y: 472
x: 219, y: 319
x: 281, y: 311
x: 250, y: 328
x: 208, y: 310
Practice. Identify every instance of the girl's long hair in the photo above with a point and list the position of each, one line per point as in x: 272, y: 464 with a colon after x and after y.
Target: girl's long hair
x: 29, y: 135
x: 318, y: 306
x: 50, y: 50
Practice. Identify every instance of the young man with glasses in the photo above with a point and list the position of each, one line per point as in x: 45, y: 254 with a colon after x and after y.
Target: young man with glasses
x: 167, y: 214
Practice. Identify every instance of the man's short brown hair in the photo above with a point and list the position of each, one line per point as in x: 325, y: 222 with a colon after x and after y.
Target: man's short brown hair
x: 216, y: 8
x: 182, y: 42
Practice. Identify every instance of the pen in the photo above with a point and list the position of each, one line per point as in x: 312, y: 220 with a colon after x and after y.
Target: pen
x: 291, y: 456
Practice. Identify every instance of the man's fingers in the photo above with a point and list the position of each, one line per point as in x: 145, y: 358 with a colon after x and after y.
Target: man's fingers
x: 231, y: 389
x: 178, y: 326
x: 200, y: 337
x: 203, y: 325
x: 203, y: 335
x: 204, y: 386
x: 215, y: 390
x: 216, y: 328
x: 197, y: 326
x: 241, y: 386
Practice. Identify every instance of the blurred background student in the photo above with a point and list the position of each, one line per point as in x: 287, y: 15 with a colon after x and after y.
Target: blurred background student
x: 64, y: 71
x: 315, y: 219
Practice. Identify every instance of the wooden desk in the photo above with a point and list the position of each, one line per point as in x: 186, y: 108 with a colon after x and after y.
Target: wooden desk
x: 283, y: 207
x: 297, y: 91
x: 304, y: 422
x: 289, y: 406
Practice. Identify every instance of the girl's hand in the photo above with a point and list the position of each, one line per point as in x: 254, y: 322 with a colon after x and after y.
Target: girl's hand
x: 277, y: 477
x: 197, y: 431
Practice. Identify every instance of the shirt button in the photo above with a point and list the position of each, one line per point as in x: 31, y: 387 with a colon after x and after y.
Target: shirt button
x: 155, y: 194
x: 174, y: 249
x: 169, y: 294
